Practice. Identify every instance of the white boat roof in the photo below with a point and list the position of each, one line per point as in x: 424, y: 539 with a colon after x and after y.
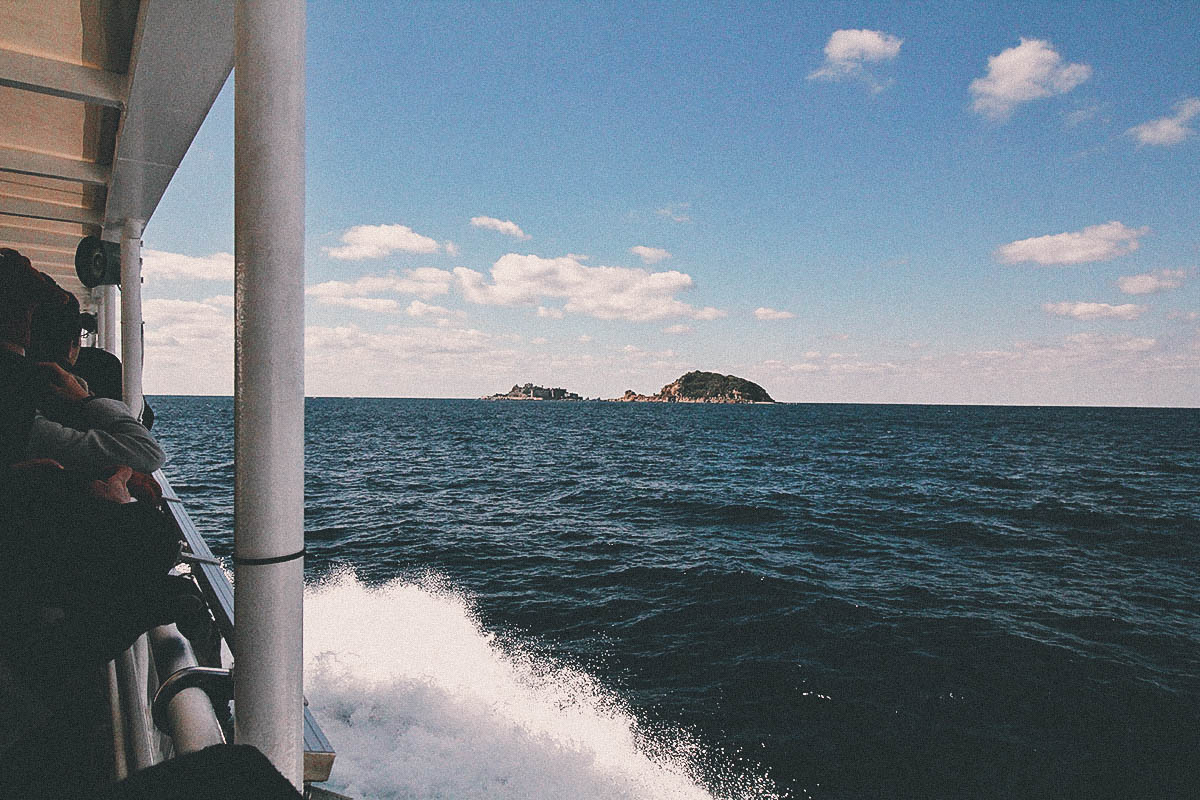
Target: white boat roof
x: 101, y: 100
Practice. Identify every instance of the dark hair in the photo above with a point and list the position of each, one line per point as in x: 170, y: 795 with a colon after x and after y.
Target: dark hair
x: 20, y: 284
x: 55, y: 328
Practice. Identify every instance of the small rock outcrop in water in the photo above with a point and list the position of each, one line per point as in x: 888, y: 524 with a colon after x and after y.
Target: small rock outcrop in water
x: 703, y: 387
x: 531, y: 392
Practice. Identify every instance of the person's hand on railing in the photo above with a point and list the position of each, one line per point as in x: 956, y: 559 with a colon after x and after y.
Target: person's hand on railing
x: 115, y: 488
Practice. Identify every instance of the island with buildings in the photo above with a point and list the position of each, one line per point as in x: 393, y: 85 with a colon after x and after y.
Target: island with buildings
x: 531, y: 392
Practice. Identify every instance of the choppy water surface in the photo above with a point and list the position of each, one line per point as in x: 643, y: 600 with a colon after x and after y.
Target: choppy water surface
x: 835, y: 601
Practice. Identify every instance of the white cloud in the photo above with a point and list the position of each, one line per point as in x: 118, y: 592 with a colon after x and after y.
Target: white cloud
x: 677, y: 330
x: 1168, y: 130
x: 507, y: 227
x: 1031, y: 70
x: 1094, y: 310
x: 451, y: 249
x: 676, y: 212
x: 377, y: 241
x: 161, y: 265
x: 650, y: 255
x: 1186, y: 316
x: 1150, y: 282
x: 771, y: 313
x: 602, y: 292
x: 584, y: 339
x: 1096, y: 243
x: 549, y: 313
x: 424, y: 282
x: 847, y: 51
x: 418, y: 309
x: 378, y: 305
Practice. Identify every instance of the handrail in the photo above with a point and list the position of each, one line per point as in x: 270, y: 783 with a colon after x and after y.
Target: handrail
x: 181, y: 707
x: 319, y: 754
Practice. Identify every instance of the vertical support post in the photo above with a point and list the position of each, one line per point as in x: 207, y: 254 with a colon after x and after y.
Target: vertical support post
x: 131, y: 315
x: 269, y: 379
x: 106, y: 320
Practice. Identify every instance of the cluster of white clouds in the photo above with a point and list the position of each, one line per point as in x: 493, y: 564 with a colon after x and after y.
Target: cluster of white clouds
x: 622, y: 293
x: 424, y: 282
x: 173, y: 328
x: 1095, y: 243
x: 1031, y: 70
x: 161, y: 265
x: 1168, y: 130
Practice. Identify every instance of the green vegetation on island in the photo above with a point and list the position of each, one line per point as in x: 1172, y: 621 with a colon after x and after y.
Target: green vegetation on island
x: 703, y: 387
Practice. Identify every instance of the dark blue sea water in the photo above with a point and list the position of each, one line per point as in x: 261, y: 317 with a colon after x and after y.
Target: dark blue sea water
x: 857, y: 601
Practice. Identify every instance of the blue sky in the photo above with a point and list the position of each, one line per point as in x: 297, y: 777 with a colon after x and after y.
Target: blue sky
x: 854, y: 202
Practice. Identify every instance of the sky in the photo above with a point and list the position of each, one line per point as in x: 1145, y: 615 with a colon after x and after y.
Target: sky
x: 843, y: 202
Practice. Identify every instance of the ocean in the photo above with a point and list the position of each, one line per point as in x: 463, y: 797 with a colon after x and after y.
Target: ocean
x: 598, y: 600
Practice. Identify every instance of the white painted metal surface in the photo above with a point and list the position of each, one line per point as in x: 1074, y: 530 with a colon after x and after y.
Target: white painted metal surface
x: 182, y: 54
x: 193, y: 725
x: 109, y: 299
x: 139, y: 731
x: 269, y: 379
x: 131, y: 315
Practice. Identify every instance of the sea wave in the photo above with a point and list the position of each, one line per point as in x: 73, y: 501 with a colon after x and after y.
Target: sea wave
x: 421, y: 701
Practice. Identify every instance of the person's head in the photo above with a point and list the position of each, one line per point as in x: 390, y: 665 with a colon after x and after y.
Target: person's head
x: 22, y: 289
x: 54, y: 331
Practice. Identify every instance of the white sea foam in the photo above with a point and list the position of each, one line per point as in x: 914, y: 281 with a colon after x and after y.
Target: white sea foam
x: 421, y: 702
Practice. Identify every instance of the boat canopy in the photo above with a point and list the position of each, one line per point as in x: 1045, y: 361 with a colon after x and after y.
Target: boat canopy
x: 101, y: 100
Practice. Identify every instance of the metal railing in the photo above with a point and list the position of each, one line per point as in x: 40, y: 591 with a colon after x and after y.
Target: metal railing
x: 159, y: 688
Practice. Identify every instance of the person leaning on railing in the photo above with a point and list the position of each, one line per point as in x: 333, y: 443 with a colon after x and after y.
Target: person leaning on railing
x: 74, y: 426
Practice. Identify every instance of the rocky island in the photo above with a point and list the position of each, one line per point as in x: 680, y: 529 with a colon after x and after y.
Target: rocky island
x: 531, y: 392
x: 703, y: 387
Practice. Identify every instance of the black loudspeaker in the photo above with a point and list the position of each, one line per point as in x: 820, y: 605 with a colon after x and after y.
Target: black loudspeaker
x: 97, y: 262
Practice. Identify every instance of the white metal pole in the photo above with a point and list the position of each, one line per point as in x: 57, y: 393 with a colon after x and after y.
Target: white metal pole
x: 131, y: 315
x: 269, y: 380
x: 106, y: 321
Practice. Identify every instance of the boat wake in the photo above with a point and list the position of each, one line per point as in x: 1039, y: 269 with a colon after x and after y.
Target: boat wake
x: 421, y: 702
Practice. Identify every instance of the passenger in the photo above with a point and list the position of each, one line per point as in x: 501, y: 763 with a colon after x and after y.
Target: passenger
x: 101, y: 370
x: 75, y: 427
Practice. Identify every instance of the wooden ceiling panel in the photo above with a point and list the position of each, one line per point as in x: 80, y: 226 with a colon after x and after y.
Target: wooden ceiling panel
x: 90, y: 33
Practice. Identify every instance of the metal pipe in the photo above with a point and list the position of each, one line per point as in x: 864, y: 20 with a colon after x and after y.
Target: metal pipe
x: 138, y: 728
x: 131, y: 315
x: 269, y: 379
x: 117, y: 721
x: 189, y: 715
x: 106, y: 321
